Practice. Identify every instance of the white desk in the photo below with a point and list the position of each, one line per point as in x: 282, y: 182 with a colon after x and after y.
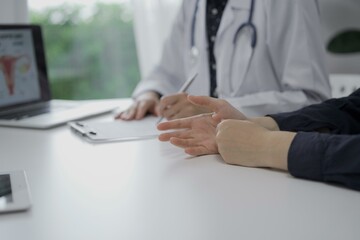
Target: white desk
x: 151, y: 190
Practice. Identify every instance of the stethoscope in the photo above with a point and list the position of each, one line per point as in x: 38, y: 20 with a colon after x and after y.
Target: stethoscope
x: 249, y: 24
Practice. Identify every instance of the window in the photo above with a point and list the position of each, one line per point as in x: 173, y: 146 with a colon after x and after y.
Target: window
x: 90, y: 48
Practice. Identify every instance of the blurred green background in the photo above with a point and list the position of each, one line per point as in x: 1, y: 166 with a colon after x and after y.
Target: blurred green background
x: 91, y: 53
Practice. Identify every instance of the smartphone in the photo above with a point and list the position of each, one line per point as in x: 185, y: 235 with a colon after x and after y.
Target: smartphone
x: 14, y: 192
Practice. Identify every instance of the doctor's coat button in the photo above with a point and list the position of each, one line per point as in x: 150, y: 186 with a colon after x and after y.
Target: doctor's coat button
x: 212, y: 38
x: 213, y: 66
x: 214, y: 11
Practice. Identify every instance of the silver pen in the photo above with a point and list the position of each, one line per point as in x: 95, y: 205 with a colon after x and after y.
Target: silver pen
x: 183, y: 88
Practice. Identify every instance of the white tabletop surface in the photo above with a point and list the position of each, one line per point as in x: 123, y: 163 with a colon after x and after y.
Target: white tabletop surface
x: 151, y: 190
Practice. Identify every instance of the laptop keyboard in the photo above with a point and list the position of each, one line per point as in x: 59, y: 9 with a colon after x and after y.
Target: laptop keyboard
x: 22, y: 115
x: 34, y: 112
x: 5, y: 185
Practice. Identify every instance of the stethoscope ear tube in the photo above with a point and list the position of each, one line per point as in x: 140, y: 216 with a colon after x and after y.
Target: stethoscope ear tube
x: 248, y: 24
x: 254, y: 37
x: 252, y: 27
x: 193, y: 23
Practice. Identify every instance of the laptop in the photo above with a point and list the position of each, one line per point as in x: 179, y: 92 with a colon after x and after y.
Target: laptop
x: 25, y: 98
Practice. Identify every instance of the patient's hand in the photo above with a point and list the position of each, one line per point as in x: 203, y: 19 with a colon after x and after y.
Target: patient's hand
x: 249, y: 144
x: 197, y: 134
x: 194, y: 134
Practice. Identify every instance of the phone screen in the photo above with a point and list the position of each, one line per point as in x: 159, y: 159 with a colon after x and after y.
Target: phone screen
x: 6, y: 195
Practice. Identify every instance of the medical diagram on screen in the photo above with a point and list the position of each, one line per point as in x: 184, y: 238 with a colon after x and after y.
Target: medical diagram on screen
x: 18, y: 75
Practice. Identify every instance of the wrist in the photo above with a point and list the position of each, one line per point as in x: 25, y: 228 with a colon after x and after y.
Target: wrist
x: 152, y: 95
x: 266, y: 122
x: 279, y: 145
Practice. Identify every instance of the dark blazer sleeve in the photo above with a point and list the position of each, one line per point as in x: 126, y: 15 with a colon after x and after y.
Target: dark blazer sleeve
x: 340, y: 116
x: 326, y: 157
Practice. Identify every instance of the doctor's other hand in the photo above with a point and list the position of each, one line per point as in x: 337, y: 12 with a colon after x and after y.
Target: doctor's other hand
x: 248, y: 144
x: 196, y: 134
x: 178, y: 106
x: 147, y: 103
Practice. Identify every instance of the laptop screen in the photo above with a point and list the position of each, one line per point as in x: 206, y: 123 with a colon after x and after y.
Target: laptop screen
x: 23, y: 77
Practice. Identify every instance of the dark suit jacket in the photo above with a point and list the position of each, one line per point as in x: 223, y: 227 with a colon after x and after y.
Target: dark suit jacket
x: 329, y: 157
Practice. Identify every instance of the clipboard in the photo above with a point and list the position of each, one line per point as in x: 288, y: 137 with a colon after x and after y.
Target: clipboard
x: 116, y: 130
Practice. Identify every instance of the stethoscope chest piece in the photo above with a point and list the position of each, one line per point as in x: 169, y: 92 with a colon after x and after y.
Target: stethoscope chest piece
x: 194, y: 54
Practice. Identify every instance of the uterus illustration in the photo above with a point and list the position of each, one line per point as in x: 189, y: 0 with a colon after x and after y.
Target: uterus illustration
x: 7, y: 66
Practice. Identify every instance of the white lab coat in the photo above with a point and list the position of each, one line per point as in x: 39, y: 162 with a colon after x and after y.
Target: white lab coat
x: 286, y: 71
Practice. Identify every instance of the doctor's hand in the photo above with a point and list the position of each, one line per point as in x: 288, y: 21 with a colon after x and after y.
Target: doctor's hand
x: 248, y: 144
x: 178, y: 106
x: 196, y: 134
x: 144, y: 104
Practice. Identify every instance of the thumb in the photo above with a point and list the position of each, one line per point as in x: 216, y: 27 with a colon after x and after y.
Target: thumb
x: 157, y: 110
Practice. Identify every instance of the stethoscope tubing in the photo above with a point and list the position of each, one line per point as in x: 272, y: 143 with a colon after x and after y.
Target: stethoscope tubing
x: 249, y: 24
